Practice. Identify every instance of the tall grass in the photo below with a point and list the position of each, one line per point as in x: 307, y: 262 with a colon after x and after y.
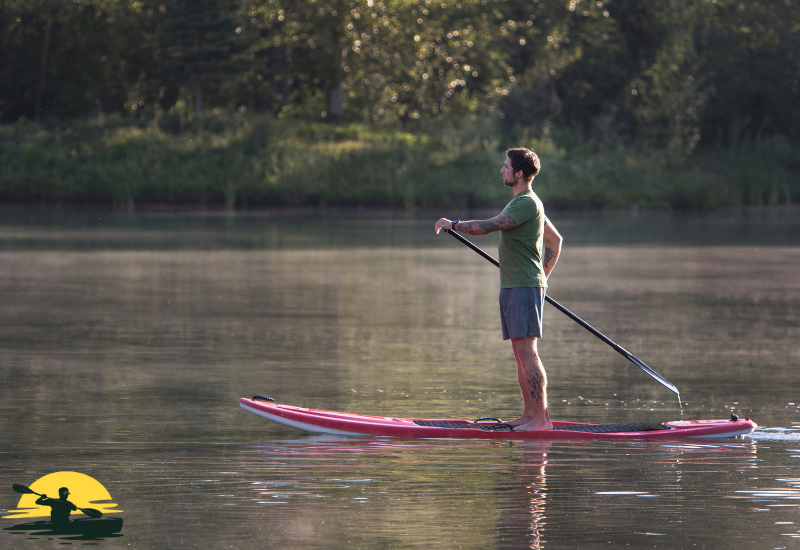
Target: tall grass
x: 235, y: 161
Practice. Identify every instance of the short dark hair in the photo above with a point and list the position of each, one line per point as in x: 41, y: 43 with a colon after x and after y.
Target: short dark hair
x: 525, y: 160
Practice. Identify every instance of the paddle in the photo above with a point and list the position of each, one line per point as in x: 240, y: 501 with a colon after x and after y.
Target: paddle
x: 91, y: 512
x: 619, y: 349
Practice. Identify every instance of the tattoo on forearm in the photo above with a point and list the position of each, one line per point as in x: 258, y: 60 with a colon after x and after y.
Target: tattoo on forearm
x: 482, y: 227
x: 549, y: 254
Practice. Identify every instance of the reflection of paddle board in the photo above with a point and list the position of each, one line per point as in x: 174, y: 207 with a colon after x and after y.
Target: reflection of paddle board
x: 89, y: 527
x: 331, y: 422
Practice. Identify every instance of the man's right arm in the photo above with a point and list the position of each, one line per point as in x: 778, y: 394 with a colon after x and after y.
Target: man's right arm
x: 479, y: 227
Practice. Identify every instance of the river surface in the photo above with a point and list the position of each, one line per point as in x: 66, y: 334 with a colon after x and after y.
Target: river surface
x: 126, y: 339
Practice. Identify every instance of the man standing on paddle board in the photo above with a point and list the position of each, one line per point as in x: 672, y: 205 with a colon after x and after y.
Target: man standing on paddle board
x: 529, y: 249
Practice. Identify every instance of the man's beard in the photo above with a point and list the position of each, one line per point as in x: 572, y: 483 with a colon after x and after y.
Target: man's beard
x: 509, y: 183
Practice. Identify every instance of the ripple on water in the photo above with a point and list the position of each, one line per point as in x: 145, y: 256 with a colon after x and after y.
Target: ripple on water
x: 775, y: 434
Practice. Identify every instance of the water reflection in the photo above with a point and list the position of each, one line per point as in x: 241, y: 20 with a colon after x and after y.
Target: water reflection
x: 524, y: 523
x: 505, y: 495
x: 408, y: 492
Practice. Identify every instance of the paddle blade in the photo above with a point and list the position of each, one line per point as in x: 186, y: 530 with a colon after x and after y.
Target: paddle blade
x: 22, y: 489
x: 653, y: 373
x: 91, y: 512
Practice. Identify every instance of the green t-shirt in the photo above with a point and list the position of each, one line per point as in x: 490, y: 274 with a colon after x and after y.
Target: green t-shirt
x: 521, y: 247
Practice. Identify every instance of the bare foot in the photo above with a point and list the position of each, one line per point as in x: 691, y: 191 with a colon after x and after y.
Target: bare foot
x: 519, y: 421
x: 524, y: 419
x: 538, y: 424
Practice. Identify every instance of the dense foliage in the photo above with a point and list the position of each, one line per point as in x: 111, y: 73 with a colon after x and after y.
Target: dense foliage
x: 672, y: 74
x: 240, y: 160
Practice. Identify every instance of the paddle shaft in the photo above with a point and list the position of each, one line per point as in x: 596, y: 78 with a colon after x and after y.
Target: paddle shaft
x: 91, y: 512
x: 619, y: 349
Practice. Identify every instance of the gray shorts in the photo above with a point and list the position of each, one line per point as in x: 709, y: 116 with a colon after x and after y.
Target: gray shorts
x: 521, y: 312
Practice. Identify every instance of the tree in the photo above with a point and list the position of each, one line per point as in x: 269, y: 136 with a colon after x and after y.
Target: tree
x: 65, y: 59
x: 752, y: 56
x: 200, y: 43
x: 668, y: 74
x: 418, y: 60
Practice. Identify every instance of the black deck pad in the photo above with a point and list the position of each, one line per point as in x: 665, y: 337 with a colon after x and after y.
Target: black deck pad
x: 611, y: 428
x: 590, y: 428
x: 501, y: 427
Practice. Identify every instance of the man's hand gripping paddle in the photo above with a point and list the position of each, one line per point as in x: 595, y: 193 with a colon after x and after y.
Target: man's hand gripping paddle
x: 619, y: 349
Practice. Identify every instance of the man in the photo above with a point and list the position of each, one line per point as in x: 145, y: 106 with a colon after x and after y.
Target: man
x: 60, y: 508
x: 529, y: 249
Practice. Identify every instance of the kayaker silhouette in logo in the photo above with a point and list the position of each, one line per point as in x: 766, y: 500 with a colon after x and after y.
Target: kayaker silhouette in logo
x: 60, y: 507
x: 35, y: 503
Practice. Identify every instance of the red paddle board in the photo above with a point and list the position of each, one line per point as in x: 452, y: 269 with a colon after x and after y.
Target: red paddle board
x: 341, y: 423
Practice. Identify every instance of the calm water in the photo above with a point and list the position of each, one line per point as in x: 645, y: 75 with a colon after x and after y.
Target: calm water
x: 125, y: 341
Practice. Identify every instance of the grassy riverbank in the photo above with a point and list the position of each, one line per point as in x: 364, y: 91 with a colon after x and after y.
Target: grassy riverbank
x: 240, y: 161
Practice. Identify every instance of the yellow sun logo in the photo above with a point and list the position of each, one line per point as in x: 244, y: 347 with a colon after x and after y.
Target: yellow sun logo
x: 84, y: 492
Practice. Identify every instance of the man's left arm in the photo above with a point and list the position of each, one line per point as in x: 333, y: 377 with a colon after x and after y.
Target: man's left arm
x: 552, y: 247
x: 478, y: 227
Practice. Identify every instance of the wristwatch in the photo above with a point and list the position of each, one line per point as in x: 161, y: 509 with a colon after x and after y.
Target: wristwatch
x: 453, y: 227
